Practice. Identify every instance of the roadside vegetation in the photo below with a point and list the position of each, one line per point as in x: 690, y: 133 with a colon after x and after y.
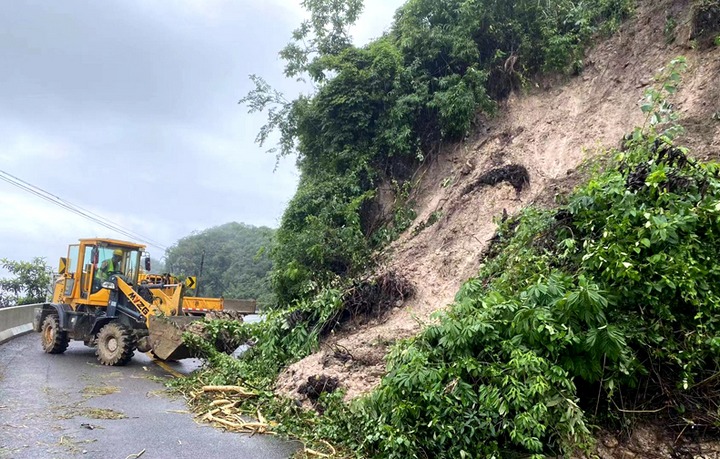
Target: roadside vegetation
x: 599, y: 313
x: 579, y: 316
x: 29, y: 282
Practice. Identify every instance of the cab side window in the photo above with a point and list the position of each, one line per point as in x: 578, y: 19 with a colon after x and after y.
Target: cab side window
x: 92, y: 284
x: 72, y: 263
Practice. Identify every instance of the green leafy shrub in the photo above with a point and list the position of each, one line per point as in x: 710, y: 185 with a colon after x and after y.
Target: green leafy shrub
x: 320, y: 237
x: 28, y: 284
x: 457, y: 101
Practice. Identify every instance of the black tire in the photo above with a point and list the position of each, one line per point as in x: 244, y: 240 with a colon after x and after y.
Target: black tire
x: 54, y: 340
x: 115, y: 344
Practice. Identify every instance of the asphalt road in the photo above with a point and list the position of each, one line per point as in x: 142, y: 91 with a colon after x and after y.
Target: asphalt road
x: 64, y: 406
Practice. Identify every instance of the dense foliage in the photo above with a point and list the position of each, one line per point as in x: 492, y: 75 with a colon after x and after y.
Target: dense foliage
x: 381, y: 109
x: 30, y: 282
x: 234, y: 257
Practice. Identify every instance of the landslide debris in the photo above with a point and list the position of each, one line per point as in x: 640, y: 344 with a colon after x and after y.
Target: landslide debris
x: 706, y: 22
x: 317, y: 385
x: 552, y: 131
x: 372, y: 299
x: 493, y: 374
x: 365, y: 299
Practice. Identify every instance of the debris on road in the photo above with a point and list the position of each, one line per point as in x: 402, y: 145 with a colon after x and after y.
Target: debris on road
x: 136, y: 455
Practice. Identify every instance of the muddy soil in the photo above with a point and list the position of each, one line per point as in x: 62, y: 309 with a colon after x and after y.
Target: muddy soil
x: 653, y: 441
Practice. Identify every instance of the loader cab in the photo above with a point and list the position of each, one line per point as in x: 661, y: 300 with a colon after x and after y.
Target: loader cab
x: 92, y: 262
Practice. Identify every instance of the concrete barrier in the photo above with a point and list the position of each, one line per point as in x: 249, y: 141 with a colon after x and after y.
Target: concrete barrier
x: 16, y: 321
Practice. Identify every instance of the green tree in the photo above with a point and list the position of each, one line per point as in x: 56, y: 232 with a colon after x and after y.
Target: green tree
x: 324, y: 34
x: 234, y: 257
x: 29, y: 283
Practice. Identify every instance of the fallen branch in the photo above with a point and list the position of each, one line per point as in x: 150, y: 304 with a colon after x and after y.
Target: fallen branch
x: 641, y: 411
x: 244, y: 426
x: 318, y: 453
x: 329, y: 446
x: 210, y: 413
x: 704, y: 381
x: 312, y: 452
x: 238, y: 389
x: 136, y: 455
x: 225, y: 422
x: 222, y: 401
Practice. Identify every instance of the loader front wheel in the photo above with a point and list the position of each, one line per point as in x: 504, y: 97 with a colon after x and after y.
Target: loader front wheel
x: 115, y: 344
x: 54, y: 340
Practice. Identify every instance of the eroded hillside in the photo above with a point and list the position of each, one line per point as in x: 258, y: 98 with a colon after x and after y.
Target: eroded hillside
x: 549, y: 129
x: 572, y: 266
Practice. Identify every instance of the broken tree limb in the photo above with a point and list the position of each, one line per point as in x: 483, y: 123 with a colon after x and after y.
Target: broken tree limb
x: 312, y: 452
x: 237, y: 389
x: 136, y: 455
x: 318, y: 453
x: 222, y: 401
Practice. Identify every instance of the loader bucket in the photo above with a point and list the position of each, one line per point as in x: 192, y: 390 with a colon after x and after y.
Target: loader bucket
x: 166, y: 336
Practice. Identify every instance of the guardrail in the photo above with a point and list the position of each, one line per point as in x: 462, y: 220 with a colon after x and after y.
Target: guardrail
x: 15, y: 321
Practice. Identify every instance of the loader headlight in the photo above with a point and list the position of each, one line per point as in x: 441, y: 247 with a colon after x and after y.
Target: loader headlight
x: 108, y: 285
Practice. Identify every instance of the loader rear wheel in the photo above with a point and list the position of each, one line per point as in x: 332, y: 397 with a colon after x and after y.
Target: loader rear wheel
x: 54, y: 340
x: 115, y: 344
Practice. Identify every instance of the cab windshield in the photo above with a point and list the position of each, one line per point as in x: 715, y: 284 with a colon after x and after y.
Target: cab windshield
x: 119, y: 261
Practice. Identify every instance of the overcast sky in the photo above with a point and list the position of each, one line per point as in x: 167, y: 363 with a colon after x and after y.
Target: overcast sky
x: 128, y: 108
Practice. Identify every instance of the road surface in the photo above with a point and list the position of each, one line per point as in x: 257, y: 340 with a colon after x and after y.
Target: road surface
x: 69, y: 406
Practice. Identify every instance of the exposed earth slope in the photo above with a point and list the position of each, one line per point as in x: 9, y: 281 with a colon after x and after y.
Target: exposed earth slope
x: 549, y: 130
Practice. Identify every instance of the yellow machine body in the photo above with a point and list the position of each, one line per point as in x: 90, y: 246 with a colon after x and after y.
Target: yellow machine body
x: 194, y: 305
x: 100, y: 297
x: 80, y: 278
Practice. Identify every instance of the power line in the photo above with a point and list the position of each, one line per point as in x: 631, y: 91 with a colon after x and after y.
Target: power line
x: 89, y: 215
x: 39, y: 192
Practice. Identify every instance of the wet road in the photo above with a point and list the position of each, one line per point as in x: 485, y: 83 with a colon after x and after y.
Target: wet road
x: 69, y: 406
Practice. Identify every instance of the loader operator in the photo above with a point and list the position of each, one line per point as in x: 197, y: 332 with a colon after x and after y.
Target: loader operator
x: 111, y: 265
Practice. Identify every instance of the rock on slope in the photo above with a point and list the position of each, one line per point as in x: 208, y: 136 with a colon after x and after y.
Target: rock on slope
x: 549, y: 131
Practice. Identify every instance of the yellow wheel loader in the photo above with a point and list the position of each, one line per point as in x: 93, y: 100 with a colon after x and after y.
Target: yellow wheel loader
x: 98, y: 299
